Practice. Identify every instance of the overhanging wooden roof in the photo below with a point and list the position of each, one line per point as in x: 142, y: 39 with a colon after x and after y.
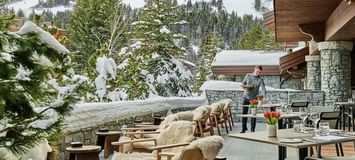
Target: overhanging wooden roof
x: 269, y: 20
x: 293, y: 59
x: 290, y: 14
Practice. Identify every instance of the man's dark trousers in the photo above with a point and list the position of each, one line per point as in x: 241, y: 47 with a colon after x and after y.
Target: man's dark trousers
x: 245, y: 120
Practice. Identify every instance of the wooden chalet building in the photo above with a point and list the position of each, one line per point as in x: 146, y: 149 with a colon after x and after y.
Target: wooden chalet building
x: 328, y: 28
x: 233, y: 65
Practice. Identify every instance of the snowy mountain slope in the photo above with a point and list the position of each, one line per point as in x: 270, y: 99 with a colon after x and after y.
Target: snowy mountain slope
x: 27, y: 7
x: 240, y: 6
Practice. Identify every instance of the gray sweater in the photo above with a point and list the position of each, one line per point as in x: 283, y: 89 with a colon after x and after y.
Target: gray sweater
x: 257, y: 82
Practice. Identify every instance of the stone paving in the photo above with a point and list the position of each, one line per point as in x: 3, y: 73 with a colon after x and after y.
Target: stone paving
x: 236, y: 149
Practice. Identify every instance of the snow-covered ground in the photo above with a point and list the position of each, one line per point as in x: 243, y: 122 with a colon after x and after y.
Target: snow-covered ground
x: 54, y: 9
x: 240, y: 6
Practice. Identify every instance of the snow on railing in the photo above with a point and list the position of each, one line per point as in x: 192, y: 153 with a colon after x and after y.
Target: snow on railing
x: 88, y: 115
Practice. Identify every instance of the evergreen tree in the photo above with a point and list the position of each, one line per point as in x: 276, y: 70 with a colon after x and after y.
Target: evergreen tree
x: 105, y: 84
x: 201, y: 17
x: 259, y: 38
x: 6, y: 19
x: 131, y: 73
x: 257, y: 5
x: 160, y: 51
x: 61, y: 19
x: 136, y: 87
x: 105, y: 81
x: 37, y: 90
x: 47, y: 16
x: 157, y: 56
x: 102, y: 69
x: 90, y: 26
x: 20, y: 13
x: 118, y: 30
x: 210, y: 46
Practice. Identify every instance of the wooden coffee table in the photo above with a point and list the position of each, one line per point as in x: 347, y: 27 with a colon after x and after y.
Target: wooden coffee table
x: 84, y: 153
x: 104, y: 139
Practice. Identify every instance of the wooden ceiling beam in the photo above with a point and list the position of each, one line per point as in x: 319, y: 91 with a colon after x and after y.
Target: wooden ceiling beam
x: 314, y: 30
x: 290, y: 13
x: 341, y: 23
x: 350, y: 1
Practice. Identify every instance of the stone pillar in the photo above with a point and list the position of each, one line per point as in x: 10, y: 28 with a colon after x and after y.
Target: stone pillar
x: 335, y: 70
x: 313, y: 72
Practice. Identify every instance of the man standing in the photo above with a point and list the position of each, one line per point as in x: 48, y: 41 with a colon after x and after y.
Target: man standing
x: 252, y: 83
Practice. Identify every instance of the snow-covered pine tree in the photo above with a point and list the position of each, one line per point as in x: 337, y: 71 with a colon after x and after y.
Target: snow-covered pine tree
x: 105, y: 76
x: 131, y: 71
x: 101, y: 66
x: 158, y: 55
x: 210, y: 46
x: 136, y: 85
x: 34, y: 92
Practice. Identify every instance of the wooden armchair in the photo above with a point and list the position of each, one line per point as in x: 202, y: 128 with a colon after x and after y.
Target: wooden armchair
x: 204, y: 148
x: 201, y: 116
x: 228, y: 111
x: 218, y: 117
x: 150, y: 131
x: 177, y: 132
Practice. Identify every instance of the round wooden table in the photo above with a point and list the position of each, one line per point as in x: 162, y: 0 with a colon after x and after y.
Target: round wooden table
x: 104, y: 139
x: 220, y: 158
x: 88, y: 152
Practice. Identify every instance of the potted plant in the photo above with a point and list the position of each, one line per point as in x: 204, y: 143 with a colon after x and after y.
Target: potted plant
x: 254, y: 104
x: 271, y: 120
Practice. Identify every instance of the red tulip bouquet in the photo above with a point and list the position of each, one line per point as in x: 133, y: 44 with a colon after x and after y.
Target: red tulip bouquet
x: 253, y: 103
x: 272, y: 117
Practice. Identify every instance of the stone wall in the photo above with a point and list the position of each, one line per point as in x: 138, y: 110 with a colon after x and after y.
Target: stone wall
x: 88, y: 135
x: 272, y: 81
x: 313, y: 72
x: 293, y: 84
x: 86, y: 118
x: 336, y: 70
x: 316, y: 98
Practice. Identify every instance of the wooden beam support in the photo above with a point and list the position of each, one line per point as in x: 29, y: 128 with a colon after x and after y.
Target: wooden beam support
x: 314, y: 30
x: 349, y: 1
x: 341, y: 23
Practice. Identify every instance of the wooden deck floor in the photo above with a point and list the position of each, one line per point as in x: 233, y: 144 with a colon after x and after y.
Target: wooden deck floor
x: 348, y: 148
x: 236, y: 149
